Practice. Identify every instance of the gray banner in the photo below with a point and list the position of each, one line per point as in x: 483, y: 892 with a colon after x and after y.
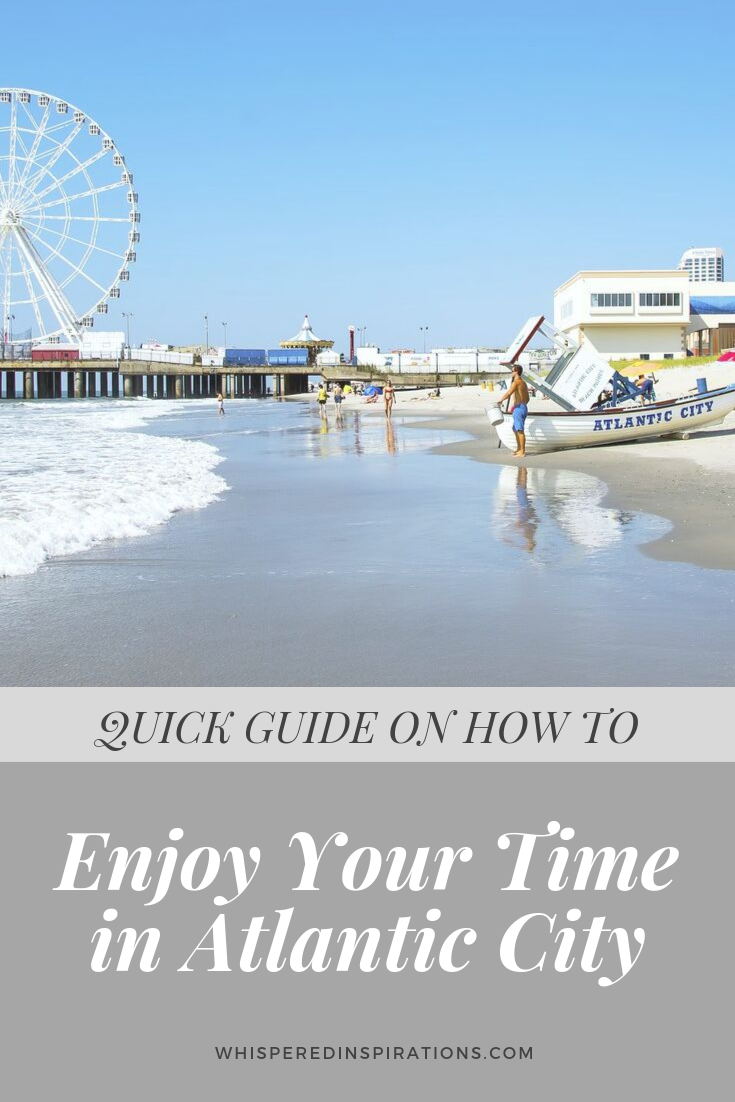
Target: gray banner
x: 662, y: 1031
x: 505, y: 725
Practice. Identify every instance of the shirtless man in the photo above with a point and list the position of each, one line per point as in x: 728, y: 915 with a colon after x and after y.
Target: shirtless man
x: 519, y: 392
x: 338, y: 396
x: 389, y: 395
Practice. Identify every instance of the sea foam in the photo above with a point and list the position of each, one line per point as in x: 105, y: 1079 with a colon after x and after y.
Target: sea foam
x: 75, y: 474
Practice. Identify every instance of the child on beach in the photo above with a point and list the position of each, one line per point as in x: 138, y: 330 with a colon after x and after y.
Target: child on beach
x: 220, y: 403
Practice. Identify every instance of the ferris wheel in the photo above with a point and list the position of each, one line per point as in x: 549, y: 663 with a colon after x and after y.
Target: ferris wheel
x: 69, y: 218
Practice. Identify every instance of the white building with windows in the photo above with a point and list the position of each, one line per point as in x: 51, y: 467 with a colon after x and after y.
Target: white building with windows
x: 626, y: 315
x: 704, y: 265
x: 455, y: 361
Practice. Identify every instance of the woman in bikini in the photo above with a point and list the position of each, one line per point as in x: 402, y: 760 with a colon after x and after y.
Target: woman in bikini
x: 389, y: 397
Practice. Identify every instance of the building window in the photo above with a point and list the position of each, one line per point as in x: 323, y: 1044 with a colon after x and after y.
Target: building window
x: 614, y: 300
x: 566, y: 308
x: 659, y: 298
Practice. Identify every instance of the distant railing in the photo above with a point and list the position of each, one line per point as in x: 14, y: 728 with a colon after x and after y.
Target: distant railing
x: 15, y: 350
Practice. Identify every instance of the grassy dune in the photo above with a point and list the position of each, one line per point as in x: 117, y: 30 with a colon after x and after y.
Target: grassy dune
x: 634, y: 367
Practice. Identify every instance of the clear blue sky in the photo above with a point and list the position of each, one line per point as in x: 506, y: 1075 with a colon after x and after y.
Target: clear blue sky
x: 395, y: 164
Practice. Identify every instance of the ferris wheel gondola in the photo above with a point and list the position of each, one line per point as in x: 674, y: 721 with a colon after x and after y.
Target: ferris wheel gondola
x: 69, y: 217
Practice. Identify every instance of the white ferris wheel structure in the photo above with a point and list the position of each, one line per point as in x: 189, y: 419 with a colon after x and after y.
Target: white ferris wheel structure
x: 69, y: 219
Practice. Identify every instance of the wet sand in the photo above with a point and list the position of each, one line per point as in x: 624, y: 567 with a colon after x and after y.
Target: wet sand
x: 691, y: 483
x: 699, y: 502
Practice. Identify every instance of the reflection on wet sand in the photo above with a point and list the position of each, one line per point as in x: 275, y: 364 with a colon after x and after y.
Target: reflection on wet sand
x: 523, y: 520
x: 350, y: 434
x: 535, y: 506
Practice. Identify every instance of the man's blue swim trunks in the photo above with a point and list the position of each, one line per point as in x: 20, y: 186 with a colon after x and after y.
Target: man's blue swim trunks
x: 520, y: 413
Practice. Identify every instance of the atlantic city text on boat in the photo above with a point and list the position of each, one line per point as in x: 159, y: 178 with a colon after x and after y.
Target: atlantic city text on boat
x: 606, y: 424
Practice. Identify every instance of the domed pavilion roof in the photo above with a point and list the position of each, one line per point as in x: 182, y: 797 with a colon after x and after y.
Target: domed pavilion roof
x: 306, y: 338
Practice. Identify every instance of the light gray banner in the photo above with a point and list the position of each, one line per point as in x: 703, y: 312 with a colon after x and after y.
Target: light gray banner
x: 52, y: 724
x: 662, y: 1031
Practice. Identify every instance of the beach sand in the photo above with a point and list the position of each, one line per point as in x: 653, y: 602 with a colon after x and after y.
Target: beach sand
x: 689, y: 482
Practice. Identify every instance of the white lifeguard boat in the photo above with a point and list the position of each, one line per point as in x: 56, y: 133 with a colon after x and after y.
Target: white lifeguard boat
x: 575, y: 383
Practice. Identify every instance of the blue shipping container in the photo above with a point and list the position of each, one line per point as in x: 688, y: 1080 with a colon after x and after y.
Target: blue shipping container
x: 245, y: 357
x: 288, y: 357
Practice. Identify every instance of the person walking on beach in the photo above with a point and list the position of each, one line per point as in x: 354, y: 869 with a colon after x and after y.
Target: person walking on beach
x: 321, y: 398
x: 389, y: 397
x: 518, y: 391
x: 220, y: 403
x: 338, y: 397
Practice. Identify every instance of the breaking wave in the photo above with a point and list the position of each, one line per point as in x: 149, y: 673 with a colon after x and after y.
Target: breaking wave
x: 75, y: 474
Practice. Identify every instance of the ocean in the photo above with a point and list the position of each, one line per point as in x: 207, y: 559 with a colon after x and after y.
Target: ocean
x: 74, y: 474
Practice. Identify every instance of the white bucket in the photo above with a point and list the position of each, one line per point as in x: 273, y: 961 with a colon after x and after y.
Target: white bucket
x: 495, y: 415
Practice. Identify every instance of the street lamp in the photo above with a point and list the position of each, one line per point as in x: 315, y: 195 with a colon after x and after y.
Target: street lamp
x: 206, y: 332
x: 127, y: 326
x: 224, y: 326
x: 424, y: 329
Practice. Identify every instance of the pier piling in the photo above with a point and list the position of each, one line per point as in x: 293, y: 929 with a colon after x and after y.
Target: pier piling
x: 98, y: 378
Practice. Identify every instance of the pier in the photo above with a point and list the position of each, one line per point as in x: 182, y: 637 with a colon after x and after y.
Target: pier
x: 28, y: 380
